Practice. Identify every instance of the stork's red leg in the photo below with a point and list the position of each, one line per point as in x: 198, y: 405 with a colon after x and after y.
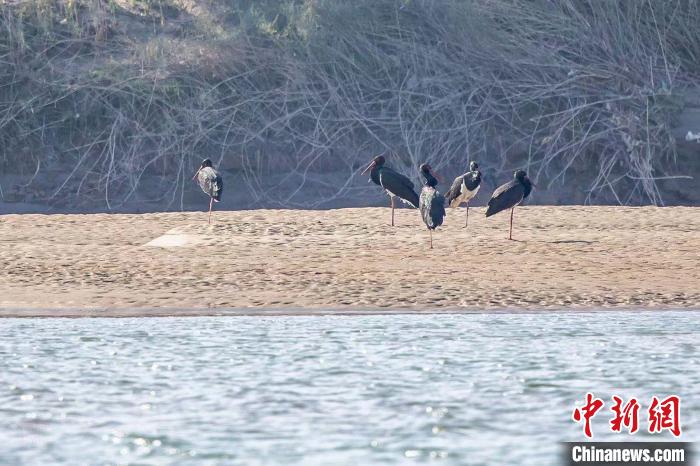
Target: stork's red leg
x: 211, y: 202
x: 510, y: 235
x: 392, y: 211
x: 431, y: 238
x: 466, y: 222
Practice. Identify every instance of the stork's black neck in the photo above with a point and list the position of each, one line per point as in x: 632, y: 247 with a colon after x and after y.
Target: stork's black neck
x: 430, y: 180
x: 527, y: 185
x: 374, y: 174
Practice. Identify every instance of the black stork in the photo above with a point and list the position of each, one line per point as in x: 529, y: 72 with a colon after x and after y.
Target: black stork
x: 211, y: 183
x: 464, y: 188
x: 510, y: 195
x: 394, y: 183
x: 432, y: 203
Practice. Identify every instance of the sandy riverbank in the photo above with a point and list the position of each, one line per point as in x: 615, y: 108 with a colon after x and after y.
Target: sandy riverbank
x: 564, y: 257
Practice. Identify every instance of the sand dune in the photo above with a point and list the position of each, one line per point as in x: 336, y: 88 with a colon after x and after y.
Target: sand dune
x: 564, y: 257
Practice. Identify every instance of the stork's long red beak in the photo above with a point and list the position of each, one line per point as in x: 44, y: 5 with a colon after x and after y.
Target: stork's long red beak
x: 369, y: 167
x: 195, y: 175
x: 437, y: 177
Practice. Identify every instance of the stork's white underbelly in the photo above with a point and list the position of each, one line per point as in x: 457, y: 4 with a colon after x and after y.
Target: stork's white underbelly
x: 465, y: 197
x: 392, y: 195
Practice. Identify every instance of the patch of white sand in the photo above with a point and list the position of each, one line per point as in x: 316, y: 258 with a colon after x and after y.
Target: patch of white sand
x: 175, y: 240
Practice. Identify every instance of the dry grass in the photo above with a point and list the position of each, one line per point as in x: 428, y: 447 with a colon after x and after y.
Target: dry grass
x: 119, y: 90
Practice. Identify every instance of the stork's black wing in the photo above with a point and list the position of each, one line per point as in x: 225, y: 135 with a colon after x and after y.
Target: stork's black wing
x: 432, y: 207
x: 506, y: 196
x: 218, y: 187
x: 398, y: 185
x: 455, y: 191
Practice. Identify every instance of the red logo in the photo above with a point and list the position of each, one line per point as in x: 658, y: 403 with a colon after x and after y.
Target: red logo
x: 663, y: 414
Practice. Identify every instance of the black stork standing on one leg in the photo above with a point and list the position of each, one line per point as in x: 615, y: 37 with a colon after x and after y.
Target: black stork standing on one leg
x: 510, y: 195
x: 432, y: 203
x: 394, y: 183
x: 211, y: 183
x: 464, y: 188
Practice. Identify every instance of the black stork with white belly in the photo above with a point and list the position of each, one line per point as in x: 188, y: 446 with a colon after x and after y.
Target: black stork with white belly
x: 432, y: 203
x: 211, y: 183
x: 464, y: 188
x: 394, y: 183
x: 510, y: 195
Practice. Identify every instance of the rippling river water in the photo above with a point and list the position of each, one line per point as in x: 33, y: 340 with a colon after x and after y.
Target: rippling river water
x: 395, y: 389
